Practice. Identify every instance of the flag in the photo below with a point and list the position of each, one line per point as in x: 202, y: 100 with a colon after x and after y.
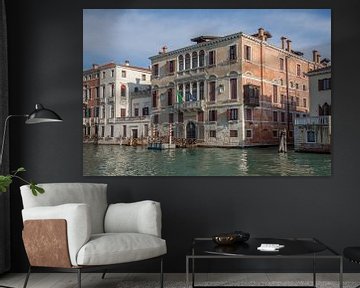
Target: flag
x: 179, y: 97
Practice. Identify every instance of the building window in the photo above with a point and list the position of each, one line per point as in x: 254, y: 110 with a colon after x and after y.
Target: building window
x: 247, y: 52
x: 282, y: 117
x: 124, y: 131
x: 282, y: 99
x: 112, y: 131
x: 304, y: 87
x: 291, y: 84
x: 233, y: 133
x: 103, y: 91
x: 112, y: 73
x: 187, y: 61
x: 97, y: 111
x: 171, y: 117
x: 194, y: 63
x: 112, y: 90
x: 136, y: 112
x: 248, y: 114
x: 282, y: 64
x: 233, y: 88
x: 275, y: 116
x: 212, y: 133
x: 123, y: 90
x: 290, y: 117
x: 201, y: 58
x: 103, y: 74
x: 102, y: 111
x: 112, y: 111
x: 170, y: 96
x: 291, y: 134
x: 248, y: 133
x: 181, y: 63
x: 304, y: 102
x: 251, y: 95
x: 297, y: 85
x: 232, y: 53
x: 298, y: 70
x: 297, y: 101
x: 156, y: 70
x: 194, y: 91
x: 212, y: 115
x: 324, y: 84
x: 212, y: 58
x: 172, y: 66
x: 200, y: 117
x: 282, y: 82
x: 212, y: 91
x: 154, y: 99
x: 143, y: 77
x: 275, y: 93
x: 201, y: 90
x: 156, y: 119
x: 180, y: 117
x: 122, y: 112
x: 233, y: 114
x: 102, y: 131
x: 275, y: 134
x: 145, y: 111
x: 187, y: 92
x: 123, y: 74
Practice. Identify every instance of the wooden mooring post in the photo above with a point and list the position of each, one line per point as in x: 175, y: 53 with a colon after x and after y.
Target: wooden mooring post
x: 283, y: 142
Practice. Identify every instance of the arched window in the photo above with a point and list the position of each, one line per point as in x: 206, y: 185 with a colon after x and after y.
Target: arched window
x: 181, y: 63
x: 194, y: 92
x: 194, y: 60
x: 201, y: 90
x: 187, y: 91
x: 201, y: 58
x: 187, y: 61
x: 123, y: 90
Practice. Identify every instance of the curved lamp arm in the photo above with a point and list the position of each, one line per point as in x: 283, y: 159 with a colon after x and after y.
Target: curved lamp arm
x: 4, y: 134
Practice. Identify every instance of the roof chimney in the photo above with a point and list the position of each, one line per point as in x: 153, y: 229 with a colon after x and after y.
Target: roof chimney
x: 95, y: 66
x: 164, y: 49
x: 315, y: 55
x: 288, y: 43
x: 283, y: 42
x: 318, y: 58
x: 261, y: 34
x: 127, y: 63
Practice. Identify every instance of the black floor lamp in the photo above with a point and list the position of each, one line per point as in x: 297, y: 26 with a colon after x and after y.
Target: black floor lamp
x: 39, y: 115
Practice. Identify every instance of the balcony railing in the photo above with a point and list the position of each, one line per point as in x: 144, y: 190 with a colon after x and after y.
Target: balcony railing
x: 127, y: 119
x: 314, y: 120
x: 190, y: 105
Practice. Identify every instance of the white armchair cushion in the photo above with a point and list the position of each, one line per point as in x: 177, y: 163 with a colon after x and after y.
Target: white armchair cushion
x: 138, y: 217
x: 93, y: 194
x: 78, y: 221
x: 113, y: 248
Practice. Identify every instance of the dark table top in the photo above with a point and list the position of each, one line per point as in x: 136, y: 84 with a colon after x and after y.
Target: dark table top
x: 292, y: 247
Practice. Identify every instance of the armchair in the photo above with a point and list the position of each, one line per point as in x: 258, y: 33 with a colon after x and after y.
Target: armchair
x: 71, y: 228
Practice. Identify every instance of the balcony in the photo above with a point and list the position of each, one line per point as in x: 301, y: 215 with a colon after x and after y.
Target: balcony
x: 190, y: 106
x: 118, y: 120
x: 314, y: 120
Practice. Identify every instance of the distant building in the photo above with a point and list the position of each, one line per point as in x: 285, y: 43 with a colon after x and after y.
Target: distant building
x: 313, y: 133
x: 108, y: 113
x: 237, y: 90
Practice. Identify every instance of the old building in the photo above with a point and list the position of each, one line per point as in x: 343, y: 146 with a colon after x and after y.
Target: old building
x: 313, y: 133
x: 108, y: 113
x: 236, y: 90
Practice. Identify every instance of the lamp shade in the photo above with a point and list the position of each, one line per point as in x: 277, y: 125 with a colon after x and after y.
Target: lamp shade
x: 42, y: 115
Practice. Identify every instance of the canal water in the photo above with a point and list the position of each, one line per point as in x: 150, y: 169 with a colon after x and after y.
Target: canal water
x: 116, y: 160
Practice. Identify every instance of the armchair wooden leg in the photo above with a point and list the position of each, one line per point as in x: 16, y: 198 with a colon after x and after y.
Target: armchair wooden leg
x: 103, y: 275
x: 79, y: 277
x: 27, y: 277
x: 161, y: 273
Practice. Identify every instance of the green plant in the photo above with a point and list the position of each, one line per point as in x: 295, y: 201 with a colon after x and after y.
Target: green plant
x: 6, y: 180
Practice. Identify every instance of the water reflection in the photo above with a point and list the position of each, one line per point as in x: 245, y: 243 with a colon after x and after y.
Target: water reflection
x: 116, y: 160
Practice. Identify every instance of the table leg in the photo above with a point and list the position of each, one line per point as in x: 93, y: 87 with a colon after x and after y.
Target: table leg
x: 314, y: 271
x: 193, y: 272
x: 187, y: 272
x: 341, y: 273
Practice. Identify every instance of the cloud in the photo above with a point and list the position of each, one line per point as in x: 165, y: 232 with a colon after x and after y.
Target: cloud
x: 135, y: 35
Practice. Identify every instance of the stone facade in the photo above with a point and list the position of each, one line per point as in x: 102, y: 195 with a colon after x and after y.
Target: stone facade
x: 108, y: 116
x: 236, y: 91
x: 313, y: 133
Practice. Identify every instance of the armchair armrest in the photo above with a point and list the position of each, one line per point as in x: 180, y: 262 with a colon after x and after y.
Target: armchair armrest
x: 78, y: 225
x: 138, y: 217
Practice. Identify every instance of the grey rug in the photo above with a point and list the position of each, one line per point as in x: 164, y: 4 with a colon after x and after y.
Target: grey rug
x: 181, y: 284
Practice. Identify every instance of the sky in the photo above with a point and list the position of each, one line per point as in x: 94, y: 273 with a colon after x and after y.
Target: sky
x: 136, y: 34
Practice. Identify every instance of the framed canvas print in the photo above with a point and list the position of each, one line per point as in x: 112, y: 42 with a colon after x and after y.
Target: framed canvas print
x: 210, y: 92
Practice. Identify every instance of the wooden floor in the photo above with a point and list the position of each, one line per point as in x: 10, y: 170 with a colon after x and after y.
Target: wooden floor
x: 119, y: 280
